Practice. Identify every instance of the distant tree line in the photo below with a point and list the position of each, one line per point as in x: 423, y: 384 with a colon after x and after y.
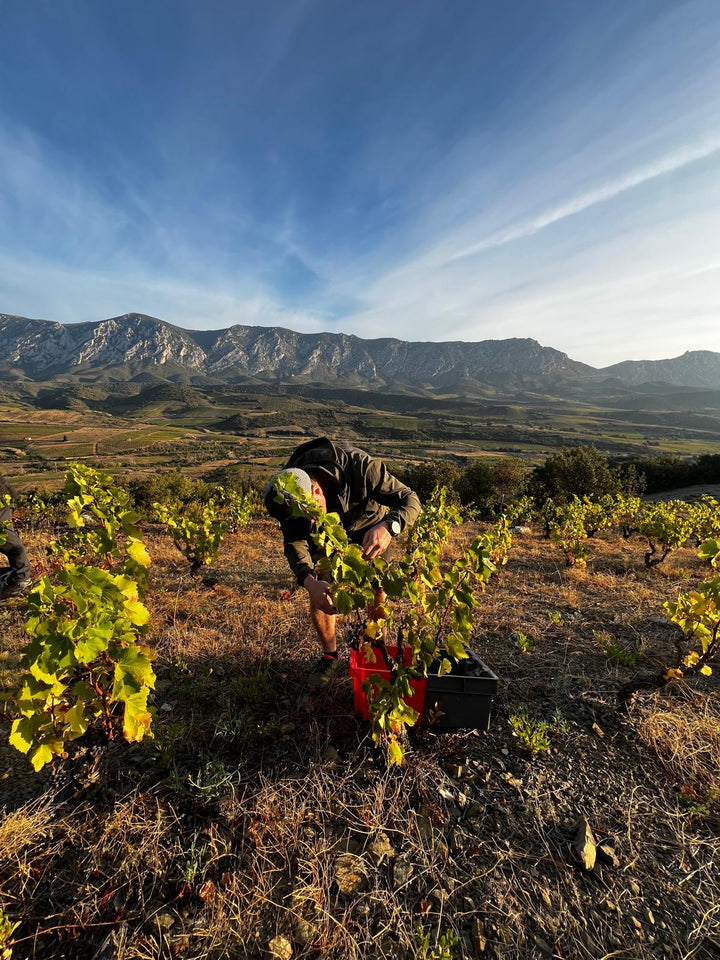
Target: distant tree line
x: 485, y: 484
x: 578, y: 471
x: 668, y: 472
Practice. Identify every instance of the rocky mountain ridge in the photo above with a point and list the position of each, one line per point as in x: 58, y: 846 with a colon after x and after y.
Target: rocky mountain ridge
x: 696, y: 368
x: 135, y: 345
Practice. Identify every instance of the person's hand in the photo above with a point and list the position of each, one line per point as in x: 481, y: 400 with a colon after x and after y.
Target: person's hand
x: 319, y: 591
x: 376, y: 541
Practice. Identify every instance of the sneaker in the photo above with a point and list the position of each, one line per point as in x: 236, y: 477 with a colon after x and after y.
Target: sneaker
x: 316, y: 682
x: 13, y: 587
x: 324, y: 670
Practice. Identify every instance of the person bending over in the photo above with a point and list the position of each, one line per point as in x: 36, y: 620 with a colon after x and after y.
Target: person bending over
x: 15, y: 577
x: 373, y: 505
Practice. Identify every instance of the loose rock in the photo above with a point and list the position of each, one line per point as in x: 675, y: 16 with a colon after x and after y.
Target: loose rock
x: 608, y: 855
x: 477, y: 935
x: 381, y: 848
x: 402, y: 872
x: 583, y: 845
x: 280, y: 948
x: 350, y: 873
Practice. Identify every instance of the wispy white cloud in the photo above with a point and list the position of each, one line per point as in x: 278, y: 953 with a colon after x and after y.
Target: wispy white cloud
x: 571, y: 201
x: 671, y: 162
x: 71, y: 294
x: 699, y: 271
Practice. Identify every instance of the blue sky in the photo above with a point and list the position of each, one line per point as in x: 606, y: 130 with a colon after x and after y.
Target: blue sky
x: 427, y: 170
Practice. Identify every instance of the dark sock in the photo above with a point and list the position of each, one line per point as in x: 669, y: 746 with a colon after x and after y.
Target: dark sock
x: 331, y: 656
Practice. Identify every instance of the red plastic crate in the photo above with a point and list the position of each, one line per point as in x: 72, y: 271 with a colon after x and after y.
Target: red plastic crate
x: 361, y: 669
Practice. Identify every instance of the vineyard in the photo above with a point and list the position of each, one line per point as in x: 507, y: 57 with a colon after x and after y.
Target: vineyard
x: 165, y: 797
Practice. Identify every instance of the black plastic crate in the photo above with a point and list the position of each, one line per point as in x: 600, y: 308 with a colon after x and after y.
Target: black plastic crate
x: 463, y: 697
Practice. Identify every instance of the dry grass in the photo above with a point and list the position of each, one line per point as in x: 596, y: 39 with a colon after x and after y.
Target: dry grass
x: 684, y: 731
x: 28, y: 824
x: 229, y: 830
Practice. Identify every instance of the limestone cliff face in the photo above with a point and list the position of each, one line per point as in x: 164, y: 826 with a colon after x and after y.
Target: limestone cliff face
x: 39, y: 349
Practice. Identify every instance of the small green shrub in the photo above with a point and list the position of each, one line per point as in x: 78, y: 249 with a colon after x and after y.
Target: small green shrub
x: 532, y: 735
x: 196, y: 530
x: 442, y: 949
x: 614, y: 651
x: 7, y: 928
x: 255, y: 688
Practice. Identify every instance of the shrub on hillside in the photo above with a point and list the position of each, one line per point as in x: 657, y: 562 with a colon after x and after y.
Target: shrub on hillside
x: 577, y: 472
x: 669, y: 472
x: 423, y: 478
x: 476, y: 484
x: 510, y: 475
x: 666, y: 472
x: 167, y: 487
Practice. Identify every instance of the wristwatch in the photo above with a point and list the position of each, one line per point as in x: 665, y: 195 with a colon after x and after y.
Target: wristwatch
x: 393, y: 526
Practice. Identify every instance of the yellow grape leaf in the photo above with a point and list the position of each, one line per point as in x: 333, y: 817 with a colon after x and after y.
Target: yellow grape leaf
x: 19, y: 739
x: 673, y: 674
x: 42, y: 755
x: 76, y: 719
x: 374, y: 628
x: 706, y: 670
x: 395, y: 752
x: 136, y: 725
x: 137, y: 551
x: 369, y: 654
x: 127, y: 586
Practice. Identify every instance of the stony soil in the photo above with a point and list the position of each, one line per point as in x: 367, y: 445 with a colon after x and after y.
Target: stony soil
x: 248, y: 829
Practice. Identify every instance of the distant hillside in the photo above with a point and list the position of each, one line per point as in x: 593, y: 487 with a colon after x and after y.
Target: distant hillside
x: 695, y: 368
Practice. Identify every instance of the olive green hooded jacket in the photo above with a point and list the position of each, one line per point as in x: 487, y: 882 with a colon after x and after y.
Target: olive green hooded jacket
x: 363, y: 492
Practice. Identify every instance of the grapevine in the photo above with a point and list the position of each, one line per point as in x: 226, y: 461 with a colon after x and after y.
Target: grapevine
x: 697, y: 613
x: 196, y: 530
x: 705, y: 519
x: 567, y: 530
x: 237, y: 508
x: 596, y: 514
x: 435, y: 622
x: 626, y: 514
x: 85, y: 665
x: 665, y: 527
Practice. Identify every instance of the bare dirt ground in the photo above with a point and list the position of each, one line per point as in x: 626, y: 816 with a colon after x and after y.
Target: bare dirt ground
x: 248, y: 829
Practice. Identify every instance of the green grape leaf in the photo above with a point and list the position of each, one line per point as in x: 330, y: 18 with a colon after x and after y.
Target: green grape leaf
x: 445, y: 667
x: 136, y: 612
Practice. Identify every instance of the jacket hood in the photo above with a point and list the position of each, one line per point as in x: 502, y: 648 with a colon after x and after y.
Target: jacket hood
x: 320, y: 454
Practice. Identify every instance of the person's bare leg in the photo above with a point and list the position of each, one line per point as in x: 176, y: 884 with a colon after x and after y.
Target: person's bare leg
x: 326, y: 626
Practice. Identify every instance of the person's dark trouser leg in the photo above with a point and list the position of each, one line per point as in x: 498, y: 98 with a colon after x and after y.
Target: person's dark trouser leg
x: 13, y: 548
